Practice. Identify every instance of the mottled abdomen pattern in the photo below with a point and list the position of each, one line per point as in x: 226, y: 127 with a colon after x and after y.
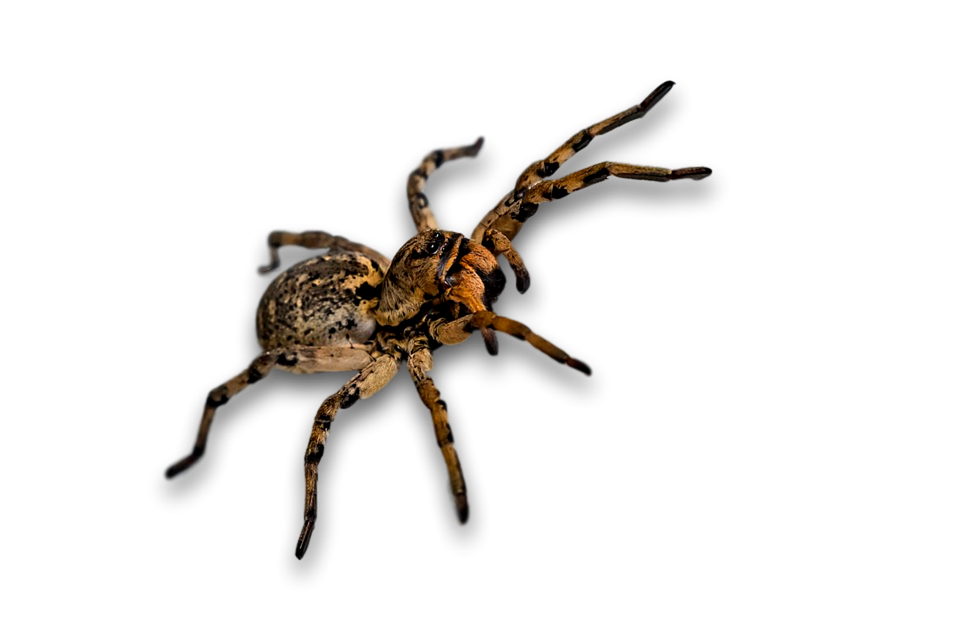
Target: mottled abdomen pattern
x: 323, y: 301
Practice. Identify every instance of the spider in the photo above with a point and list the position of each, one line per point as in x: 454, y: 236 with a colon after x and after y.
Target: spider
x: 352, y: 309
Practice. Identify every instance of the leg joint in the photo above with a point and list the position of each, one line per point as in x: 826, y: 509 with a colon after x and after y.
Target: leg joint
x: 217, y: 397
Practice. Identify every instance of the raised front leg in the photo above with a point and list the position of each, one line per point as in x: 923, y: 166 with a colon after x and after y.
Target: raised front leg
x: 296, y: 360
x: 550, y: 190
x: 419, y: 206
x: 364, y: 384
x: 514, y: 209
x: 420, y: 362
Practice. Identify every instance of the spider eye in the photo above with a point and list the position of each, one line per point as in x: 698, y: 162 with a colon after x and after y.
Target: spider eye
x: 434, y: 244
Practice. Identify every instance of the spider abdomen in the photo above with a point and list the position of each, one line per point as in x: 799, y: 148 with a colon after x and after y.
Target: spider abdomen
x: 324, y: 301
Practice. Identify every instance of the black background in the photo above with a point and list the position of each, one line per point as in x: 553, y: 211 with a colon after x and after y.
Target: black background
x: 656, y: 460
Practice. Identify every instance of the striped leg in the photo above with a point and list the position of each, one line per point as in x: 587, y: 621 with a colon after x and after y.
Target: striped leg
x: 368, y: 381
x: 316, y: 240
x: 520, y: 331
x: 504, y: 216
x: 420, y: 362
x: 499, y: 244
x: 419, y: 207
x: 550, y: 190
x: 458, y: 330
x: 296, y: 360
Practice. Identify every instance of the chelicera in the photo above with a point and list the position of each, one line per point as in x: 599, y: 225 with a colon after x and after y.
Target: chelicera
x: 352, y: 309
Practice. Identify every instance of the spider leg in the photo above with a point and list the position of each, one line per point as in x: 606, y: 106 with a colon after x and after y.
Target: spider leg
x: 499, y: 244
x: 419, y: 363
x: 458, y: 330
x: 419, y: 206
x: 316, y: 240
x: 368, y: 381
x: 508, y: 216
x: 550, y: 190
x: 296, y: 360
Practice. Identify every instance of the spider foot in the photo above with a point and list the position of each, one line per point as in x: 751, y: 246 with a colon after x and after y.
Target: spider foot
x: 577, y: 364
x: 693, y: 173
x: 182, y: 465
x: 523, y: 278
x: 500, y: 244
x: 462, y: 151
x: 305, y: 534
x: 309, y: 508
x: 463, y: 508
x: 490, y: 340
x: 273, y: 260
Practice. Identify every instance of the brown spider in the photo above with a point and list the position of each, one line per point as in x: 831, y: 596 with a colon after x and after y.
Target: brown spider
x: 354, y: 310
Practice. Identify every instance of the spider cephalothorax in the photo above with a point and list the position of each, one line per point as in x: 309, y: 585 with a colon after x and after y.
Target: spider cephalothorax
x: 439, y: 267
x: 352, y: 309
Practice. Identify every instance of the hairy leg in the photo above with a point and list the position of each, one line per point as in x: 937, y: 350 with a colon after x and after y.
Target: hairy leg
x: 296, y: 360
x: 420, y: 362
x: 508, y: 216
x: 368, y: 381
x: 316, y: 240
x: 548, y: 166
x: 456, y: 331
x: 499, y: 244
x: 550, y: 190
x: 419, y: 206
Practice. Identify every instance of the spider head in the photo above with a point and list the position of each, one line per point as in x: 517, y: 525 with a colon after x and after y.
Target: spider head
x: 435, y: 268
